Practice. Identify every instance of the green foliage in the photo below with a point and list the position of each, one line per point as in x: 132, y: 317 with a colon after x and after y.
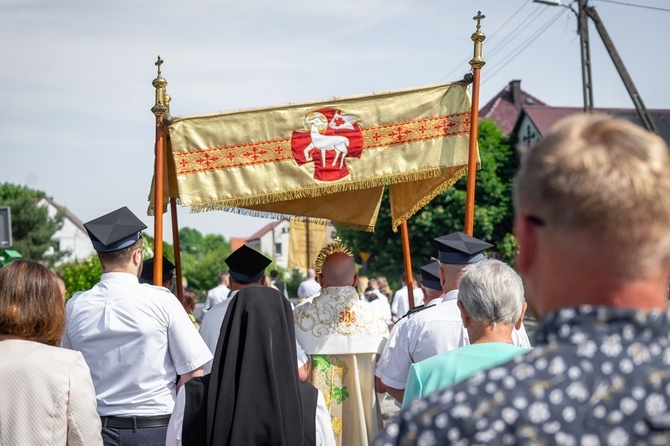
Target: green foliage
x: 32, y: 228
x: 9, y: 192
x: 202, y: 258
x: 148, y: 248
x: 293, y: 282
x: 446, y: 214
x: 80, y: 276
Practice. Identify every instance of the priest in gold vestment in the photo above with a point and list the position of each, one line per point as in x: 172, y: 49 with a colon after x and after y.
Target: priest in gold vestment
x: 343, y: 336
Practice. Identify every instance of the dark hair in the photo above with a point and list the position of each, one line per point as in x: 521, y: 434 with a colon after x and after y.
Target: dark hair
x: 31, y: 304
x: 274, y: 273
x: 189, y: 300
x: 118, y: 258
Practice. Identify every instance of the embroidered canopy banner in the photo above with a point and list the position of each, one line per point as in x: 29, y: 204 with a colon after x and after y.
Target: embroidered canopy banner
x: 323, y: 161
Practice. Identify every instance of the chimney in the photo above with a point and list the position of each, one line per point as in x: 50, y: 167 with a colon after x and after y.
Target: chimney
x: 515, y: 87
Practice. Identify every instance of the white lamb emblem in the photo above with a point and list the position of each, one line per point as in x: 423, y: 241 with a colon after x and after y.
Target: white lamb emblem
x: 317, y: 123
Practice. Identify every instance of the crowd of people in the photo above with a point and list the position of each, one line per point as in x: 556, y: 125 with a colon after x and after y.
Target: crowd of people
x: 125, y: 362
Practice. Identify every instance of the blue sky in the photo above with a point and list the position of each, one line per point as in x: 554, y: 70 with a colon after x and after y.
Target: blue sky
x: 76, y: 75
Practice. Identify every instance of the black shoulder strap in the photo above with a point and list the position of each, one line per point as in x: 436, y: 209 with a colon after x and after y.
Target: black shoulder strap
x: 414, y: 310
x: 309, y: 397
x: 194, y: 432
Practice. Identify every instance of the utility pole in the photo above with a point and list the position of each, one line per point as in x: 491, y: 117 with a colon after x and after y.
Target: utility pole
x: 583, y: 14
x: 587, y: 84
x: 642, y: 111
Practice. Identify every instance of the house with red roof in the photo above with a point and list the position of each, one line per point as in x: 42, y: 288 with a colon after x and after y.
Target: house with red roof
x: 526, y: 118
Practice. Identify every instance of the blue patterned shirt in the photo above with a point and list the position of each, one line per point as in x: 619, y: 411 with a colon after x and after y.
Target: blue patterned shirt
x: 597, y: 376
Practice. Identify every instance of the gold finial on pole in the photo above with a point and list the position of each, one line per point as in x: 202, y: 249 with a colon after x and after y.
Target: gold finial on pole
x: 478, y: 37
x: 476, y: 63
x: 159, y: 108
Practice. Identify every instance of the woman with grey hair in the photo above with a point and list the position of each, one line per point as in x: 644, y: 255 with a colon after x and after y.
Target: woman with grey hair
x: 492, y: 304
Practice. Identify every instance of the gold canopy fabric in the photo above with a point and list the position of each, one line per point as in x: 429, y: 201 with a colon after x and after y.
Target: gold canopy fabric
x: 324, y: 161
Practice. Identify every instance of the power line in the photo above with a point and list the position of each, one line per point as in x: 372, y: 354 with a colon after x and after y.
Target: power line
x: 521, y: 26
x: 516, y: 51
x: 637, y: 6
x: 460, y: 65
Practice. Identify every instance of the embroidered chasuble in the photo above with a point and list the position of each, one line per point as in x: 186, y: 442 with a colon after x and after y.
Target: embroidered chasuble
x: 343, y: 336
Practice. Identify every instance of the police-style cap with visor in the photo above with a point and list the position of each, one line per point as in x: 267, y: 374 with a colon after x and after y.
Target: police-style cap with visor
x: 246, y: 264
x: 460, y: 249
x: 147, y: 275
x: 115, y: 231
x: 430, y: 277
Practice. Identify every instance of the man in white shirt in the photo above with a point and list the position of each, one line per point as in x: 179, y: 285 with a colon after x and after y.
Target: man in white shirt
x: 439, y: 328
x: 217, y: 294
x: 246, y: 268
x: 138, y: 341
x: 308, y: 287
x: 432, y: 295
x: 400, y: 304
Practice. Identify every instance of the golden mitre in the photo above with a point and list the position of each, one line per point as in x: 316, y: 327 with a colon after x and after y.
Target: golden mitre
x: 336, y: 246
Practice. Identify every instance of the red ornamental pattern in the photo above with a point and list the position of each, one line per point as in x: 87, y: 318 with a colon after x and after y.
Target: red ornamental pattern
x: 287, y: 149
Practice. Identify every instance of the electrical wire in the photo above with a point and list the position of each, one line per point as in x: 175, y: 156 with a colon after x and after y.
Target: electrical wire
x: 656, y: 8
x: 460, y: 65
x: 519, y: 48
x: 521, y: 26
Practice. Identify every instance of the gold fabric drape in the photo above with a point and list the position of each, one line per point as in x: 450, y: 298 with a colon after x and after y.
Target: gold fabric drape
x: 325, y: 161
x: 298, y: 239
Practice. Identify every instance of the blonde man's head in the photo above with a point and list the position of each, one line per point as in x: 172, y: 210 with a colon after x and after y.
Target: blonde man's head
x: 603, y: 180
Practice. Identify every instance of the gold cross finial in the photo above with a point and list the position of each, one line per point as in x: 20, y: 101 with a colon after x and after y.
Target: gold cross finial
x: 158, y: 63
x: 479, y: 18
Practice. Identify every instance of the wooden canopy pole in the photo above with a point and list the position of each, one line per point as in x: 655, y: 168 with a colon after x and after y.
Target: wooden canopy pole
x: 476, y: 63
x: 177, y: 251
x: 404, y: 232
x: 160, y: 110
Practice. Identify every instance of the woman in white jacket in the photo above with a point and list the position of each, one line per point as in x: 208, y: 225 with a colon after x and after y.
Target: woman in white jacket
x: 47, y: 392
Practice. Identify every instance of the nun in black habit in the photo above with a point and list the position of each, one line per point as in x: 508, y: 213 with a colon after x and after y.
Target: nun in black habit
x: 253, y: 395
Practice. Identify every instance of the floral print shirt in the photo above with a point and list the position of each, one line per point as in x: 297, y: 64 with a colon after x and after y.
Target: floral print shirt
x: 597, y: 376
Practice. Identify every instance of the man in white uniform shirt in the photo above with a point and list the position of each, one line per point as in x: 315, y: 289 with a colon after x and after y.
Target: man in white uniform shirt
x: 217, y: 294
x: 400, y: 304
x: 432, y: 295
x: 246, y: 268
x: 438, y: 329
x: 138, y: 341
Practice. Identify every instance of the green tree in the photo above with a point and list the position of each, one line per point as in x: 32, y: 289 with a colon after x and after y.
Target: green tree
x: 202, y: 258
x: 32, y: 228
x: 446, y: 213
x: 80, y: 275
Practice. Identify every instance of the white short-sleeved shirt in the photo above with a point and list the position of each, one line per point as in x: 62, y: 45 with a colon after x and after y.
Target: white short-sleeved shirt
x: 383, y: 361
x: 381, y: 306
x: 210, y: 327
x: 400, y: 305
x: 215, y: 296
x: 308, y: 288
x: 429, y: 332
x: 136, y: 339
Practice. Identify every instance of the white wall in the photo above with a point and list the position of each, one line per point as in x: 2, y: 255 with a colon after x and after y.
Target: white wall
x: 280, y: 237
x: 70, y: 237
